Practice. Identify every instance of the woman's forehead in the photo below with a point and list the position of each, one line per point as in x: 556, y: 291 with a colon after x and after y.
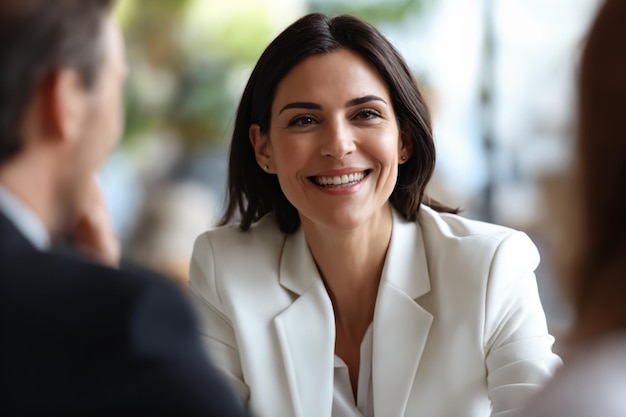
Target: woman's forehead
x: 341, y: 74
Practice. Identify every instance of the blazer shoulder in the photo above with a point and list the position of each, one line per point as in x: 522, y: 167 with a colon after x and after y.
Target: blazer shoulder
x: 228, y: 258
x: 456, y: 234
x: 458, y: 227
x: 264, y: 238
x: 72, y: 271
x: 66, y: 291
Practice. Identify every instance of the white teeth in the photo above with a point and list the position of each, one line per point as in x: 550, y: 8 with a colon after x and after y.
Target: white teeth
x: 340, y: 180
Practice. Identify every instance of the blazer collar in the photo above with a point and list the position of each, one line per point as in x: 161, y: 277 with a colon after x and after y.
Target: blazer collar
x: 22, y: 217
x: 298, y: 271
x: 405, y: 266
x: 401, y: 325
x: 11, y: 240
x: 306, y: 329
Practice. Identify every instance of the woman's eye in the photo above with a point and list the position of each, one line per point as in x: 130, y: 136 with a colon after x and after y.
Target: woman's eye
x: 302, y: 121
x: 367, y: 114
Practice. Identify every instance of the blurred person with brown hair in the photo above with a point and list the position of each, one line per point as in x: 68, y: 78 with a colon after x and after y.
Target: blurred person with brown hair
x: 79, y: 337
x: 344, y: 291
x: 592, y: 381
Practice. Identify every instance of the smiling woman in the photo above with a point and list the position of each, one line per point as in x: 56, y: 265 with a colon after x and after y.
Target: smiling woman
x: 344, y: 291
x: 346, y: 128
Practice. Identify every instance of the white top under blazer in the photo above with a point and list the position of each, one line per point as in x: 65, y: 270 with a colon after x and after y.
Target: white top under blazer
x: 458, y: 329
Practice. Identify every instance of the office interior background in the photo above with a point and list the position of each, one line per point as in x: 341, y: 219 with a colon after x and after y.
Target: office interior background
x: 500, y: 77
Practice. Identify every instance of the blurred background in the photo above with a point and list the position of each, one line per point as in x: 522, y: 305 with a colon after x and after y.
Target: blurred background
x: 500, y: 76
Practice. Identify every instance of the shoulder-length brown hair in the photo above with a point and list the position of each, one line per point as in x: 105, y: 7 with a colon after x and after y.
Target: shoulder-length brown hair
x: 251, y: 191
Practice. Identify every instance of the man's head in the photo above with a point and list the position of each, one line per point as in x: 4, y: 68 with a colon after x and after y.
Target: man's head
x: 61, y: 79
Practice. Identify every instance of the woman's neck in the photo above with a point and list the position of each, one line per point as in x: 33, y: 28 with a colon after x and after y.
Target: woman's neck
x: 351, y: 264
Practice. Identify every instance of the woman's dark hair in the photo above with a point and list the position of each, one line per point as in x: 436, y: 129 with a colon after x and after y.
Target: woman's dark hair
x: 251, y: 191
x: 38, y: 37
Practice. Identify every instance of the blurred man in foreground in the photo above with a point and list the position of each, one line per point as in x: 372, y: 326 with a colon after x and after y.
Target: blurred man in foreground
x: 79, y: 337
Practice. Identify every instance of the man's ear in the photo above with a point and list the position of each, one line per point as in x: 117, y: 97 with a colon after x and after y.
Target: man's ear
x: 261, y: 145
x: 66, y: 104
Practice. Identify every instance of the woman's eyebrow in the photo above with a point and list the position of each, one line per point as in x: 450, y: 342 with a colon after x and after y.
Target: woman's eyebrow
x: 314, y: 106
x: 301, y: 105
x: 364, y: 99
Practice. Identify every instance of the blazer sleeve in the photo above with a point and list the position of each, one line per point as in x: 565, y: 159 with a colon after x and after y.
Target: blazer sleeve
x: 518, y: 348
x: 216, y: 329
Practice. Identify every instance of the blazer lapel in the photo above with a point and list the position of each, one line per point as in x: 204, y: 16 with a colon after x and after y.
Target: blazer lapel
x: 11, y: 240
x: 306, y: 331
x: 401, y: 325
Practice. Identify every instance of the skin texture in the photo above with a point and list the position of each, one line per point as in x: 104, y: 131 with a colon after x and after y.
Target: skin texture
x: 332, y: 116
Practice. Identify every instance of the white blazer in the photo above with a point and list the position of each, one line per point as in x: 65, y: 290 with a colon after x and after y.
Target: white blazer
x: 458, y: 330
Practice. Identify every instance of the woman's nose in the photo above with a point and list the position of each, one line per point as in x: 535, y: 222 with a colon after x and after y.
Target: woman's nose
x: 339, y: 141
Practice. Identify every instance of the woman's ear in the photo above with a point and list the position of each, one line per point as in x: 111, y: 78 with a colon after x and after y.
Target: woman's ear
x: 405, y: 147
x: 261, y: 145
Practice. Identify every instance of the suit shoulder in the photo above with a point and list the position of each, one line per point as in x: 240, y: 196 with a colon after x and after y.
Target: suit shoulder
x: 474, y: 255
x: 227, y: 259
x: 456, y: 234
x: 226, y: 241
x: 69, y: 271
x: 459, y: 227
x: 67, y: 292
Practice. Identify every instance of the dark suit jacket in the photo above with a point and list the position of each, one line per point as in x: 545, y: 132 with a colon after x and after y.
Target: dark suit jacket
x: 80, y: 339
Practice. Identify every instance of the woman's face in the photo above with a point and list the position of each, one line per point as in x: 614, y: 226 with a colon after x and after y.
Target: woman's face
x: 334, y: 142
